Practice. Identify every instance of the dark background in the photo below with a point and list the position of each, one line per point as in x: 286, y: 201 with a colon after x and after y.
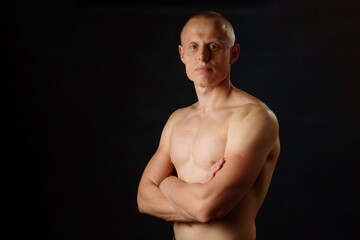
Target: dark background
x: 93, y: 83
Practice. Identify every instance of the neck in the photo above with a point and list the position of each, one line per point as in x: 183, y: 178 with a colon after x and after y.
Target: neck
x: 211, y: 98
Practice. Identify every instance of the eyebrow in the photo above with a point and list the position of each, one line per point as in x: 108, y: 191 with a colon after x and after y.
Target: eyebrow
x: 212, y: 41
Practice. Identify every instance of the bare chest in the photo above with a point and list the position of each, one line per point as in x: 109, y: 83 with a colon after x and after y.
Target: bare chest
x: 196, y: 143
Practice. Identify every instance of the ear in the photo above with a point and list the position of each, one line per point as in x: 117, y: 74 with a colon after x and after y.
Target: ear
x: 181, y: 53
x: 234, y: 53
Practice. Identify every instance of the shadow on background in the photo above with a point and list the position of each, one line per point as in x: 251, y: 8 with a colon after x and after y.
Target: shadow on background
x: 95, y: 81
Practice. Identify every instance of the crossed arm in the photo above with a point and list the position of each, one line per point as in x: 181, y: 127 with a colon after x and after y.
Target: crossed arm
x: 250, y: 140
x: 151, y: 195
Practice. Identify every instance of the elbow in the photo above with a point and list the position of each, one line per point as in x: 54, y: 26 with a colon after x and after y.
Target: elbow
x: 206, y: 213
x: 140, y: 209
x: 203, y: 218
x: 207, y: 208
x: 141, y: 202
x: 140, y: 205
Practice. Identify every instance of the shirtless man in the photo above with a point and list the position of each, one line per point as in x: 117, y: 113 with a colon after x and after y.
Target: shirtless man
x: 224, y: 147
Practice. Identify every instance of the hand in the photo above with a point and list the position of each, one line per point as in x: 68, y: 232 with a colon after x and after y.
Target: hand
x: 167, y: 184
x: 215, y: 168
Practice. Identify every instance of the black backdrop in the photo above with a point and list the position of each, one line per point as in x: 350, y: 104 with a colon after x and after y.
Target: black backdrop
x: 93, y: 83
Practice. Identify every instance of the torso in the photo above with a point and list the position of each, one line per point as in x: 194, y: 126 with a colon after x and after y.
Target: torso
x: 196, y: 143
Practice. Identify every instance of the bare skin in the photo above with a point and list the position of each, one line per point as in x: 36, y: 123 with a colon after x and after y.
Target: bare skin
x: 224, y: 148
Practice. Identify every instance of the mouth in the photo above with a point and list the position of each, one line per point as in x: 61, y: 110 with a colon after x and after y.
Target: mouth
x: 203, y: 69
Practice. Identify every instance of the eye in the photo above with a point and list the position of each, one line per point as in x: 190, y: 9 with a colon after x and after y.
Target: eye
x: 193, y: 46
x: 213, y: 46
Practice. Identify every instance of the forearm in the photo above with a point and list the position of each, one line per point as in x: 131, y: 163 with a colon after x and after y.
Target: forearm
x: 195, y: 199
x: 184, y: 197
x: 152, y: 202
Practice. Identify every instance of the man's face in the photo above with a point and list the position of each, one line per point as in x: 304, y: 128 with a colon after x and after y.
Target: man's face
x: 206, y: 52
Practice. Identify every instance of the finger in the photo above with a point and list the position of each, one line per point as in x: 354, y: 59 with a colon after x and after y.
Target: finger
x: 216, y: 167
x: 218, y: 164
x: 209, y: 176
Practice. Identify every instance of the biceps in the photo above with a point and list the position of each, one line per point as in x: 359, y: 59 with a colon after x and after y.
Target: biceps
x: 245, y: 158
x: 228, y: 187
x: 237, y: 176
x: 158, y: 168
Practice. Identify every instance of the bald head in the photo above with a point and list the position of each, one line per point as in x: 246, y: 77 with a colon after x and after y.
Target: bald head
x: 224, y: 24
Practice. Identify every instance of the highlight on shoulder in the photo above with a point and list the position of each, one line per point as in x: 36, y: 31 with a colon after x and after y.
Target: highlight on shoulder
x: 255, y: 112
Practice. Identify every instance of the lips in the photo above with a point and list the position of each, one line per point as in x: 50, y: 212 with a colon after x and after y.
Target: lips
x: 202, y: 69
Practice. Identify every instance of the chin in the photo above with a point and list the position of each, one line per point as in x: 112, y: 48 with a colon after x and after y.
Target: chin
x: 203, y: 81
x: 207, y: 82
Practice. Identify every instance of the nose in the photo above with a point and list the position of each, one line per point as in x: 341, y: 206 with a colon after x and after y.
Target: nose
x: 203, y: 54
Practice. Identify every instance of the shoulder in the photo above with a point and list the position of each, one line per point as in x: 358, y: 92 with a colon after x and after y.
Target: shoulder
x: 258, y: 110
x: 180, y: 113
x: 248, y: 107
x: 177, y: 116
x: 253, y: 129
x: 256, y: 116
